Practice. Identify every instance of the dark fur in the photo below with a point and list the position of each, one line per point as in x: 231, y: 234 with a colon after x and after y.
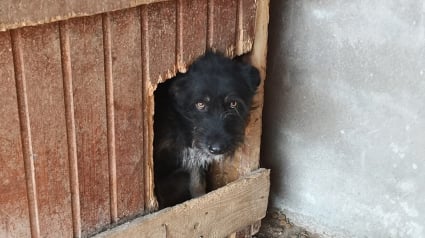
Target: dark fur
x: 188, y: 137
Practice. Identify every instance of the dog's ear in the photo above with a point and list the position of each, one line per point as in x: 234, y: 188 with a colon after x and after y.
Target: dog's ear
x: 251, y: 76
x: 178, y: 87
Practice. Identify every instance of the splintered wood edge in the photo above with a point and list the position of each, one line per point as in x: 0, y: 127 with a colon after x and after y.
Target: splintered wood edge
x: 216, y: 214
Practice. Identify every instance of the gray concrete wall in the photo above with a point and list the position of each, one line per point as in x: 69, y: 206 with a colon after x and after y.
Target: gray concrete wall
x: 344, y: 117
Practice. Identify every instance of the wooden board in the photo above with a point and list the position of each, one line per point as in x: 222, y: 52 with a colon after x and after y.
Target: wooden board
x: 246, y: 25
x: 42, y: 60
x: 128, y: 114
x: 191, y: 19
x: 24, y: 121
x: 159, y: 31
x: 222, y: 26
x: 14, y: 213
x: 86, y: 39
x: 36, y: 12
x: 215, y: 214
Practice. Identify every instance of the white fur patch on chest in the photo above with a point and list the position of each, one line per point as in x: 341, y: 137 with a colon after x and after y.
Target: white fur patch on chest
x: 198, y: 158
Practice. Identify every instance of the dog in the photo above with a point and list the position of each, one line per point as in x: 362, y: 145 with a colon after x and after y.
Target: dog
x: 200, y: 117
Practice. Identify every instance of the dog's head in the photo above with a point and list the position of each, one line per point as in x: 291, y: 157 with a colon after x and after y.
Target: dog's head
x: 215, y: 98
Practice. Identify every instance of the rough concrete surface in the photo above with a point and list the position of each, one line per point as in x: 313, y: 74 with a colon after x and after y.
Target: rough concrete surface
x: 344, y: 126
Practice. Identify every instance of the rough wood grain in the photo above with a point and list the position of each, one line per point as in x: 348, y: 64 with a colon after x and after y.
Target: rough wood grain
x: 87, y: 61
x: 191, y: 31
x: 246, y: 25
x: 216, y: 214
x: 148, y: 110
x: 14, y: 214
x: 127, y: 87
x: 41, y: 51
x: 110, y: 115
x: 25, y: 126
x: 222, y: 26
x: 70, y: 127
x: 36, y: 12
x: 161, y: 40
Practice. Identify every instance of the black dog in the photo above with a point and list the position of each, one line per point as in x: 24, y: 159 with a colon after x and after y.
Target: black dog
x: 200, y: 117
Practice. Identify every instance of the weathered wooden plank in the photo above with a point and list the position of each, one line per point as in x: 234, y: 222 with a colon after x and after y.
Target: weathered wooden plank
x: 148, y: 111
x: 87, y: 61
x: 41, y: 51
x: 161, y: 37
x: 27, y: 152
x: 70, y: 127
x: 222, y: 26
x: 191, y: 31
x: 127, y: 87
x: 36, y: 12
x: 246, y: 25
x: 14, y: 214
x: 216, y: 214
x: 249, y: 13
x: 110, y: 115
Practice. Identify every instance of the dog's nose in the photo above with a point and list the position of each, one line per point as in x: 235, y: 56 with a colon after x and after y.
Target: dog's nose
x: 217, y: 148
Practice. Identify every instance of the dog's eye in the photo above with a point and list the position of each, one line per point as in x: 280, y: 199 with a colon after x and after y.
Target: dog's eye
x: 233, y: 104
x: 200, y: 106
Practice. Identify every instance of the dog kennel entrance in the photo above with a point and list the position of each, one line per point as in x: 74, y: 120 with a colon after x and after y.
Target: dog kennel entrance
x: 77, y: 101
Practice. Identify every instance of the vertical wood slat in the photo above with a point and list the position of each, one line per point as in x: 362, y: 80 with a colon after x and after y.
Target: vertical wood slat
x: 110, y: 114
x: 45, y: 96
x: 14, y: 212
x: 148, y: 109
x: 87, y: 57
x: 27, y: 151
x: 210, y: 23
x: 239, y: 28
x: 245, y: 25
x: 191, y: 31
x: 161, y: 40
x: 179, y: 35
x: 248, y: 9
x: 222, y: 21
x: 70, y: 127
x: 128, y: 111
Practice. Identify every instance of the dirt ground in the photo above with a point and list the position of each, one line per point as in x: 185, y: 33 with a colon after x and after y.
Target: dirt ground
x: 275, y: 224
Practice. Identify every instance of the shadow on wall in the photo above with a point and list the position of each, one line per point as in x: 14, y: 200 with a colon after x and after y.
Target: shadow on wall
x: 275, y: 98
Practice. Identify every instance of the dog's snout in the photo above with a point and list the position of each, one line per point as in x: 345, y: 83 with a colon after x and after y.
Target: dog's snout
x: 217, y: 148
